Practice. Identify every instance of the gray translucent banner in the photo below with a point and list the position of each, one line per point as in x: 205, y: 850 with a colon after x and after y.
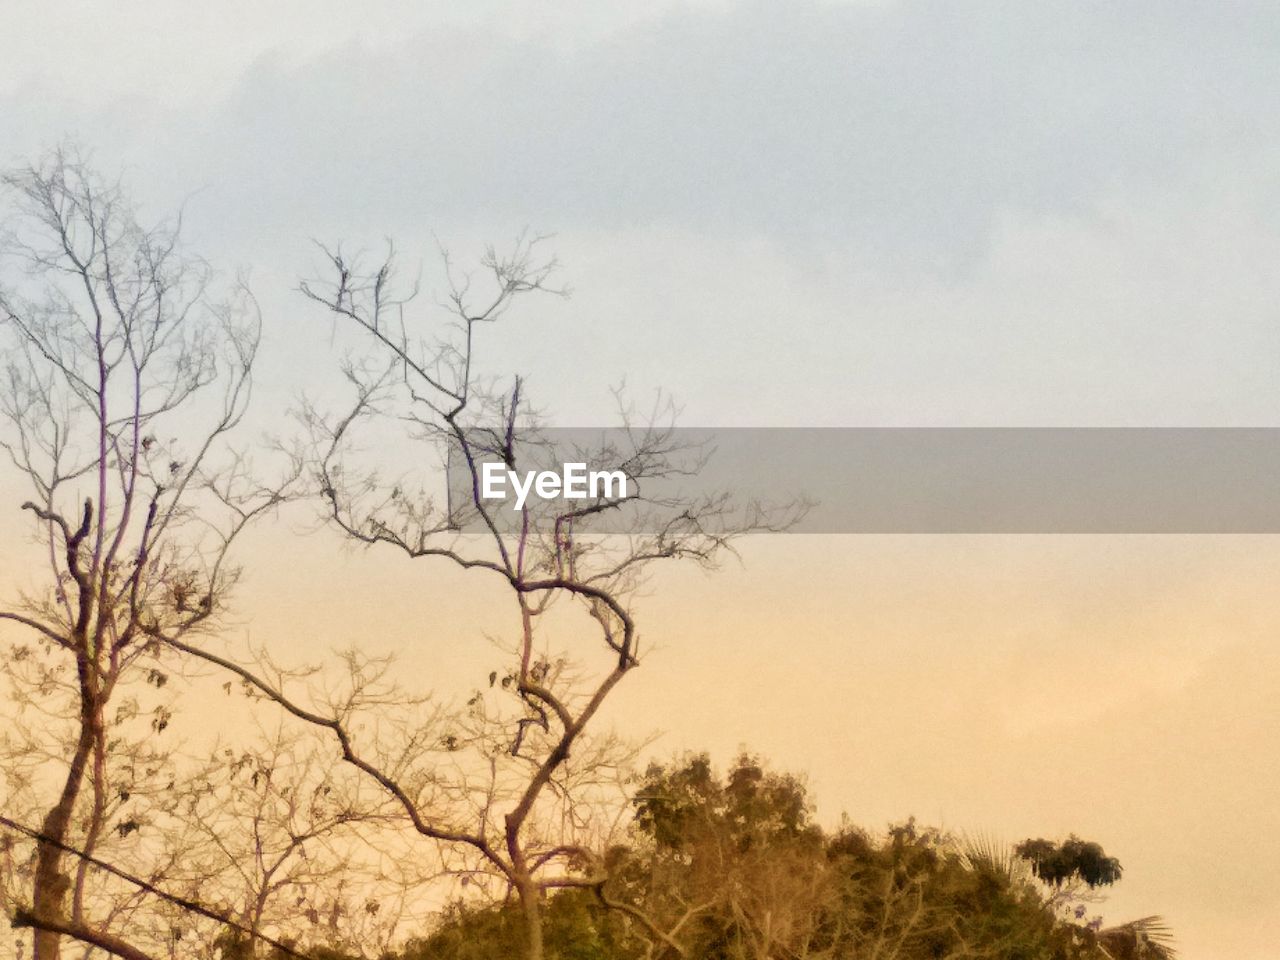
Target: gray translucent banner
x: 916, y: 480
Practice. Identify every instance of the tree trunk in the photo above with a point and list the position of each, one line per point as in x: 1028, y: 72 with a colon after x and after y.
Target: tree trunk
x: 532, y: 907
x: 49, y: 889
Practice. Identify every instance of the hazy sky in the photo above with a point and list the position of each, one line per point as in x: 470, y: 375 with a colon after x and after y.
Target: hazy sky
x: 812, y: 213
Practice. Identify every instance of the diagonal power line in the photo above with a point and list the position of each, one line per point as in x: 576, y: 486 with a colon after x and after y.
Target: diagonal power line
x: 186, y: 904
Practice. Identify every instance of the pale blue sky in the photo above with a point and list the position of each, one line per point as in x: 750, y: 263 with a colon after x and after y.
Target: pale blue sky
x: 811, y: 212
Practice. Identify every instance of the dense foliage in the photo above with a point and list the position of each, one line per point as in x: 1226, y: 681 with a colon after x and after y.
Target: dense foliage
x: 1059, y: 863
x: 735, y: 868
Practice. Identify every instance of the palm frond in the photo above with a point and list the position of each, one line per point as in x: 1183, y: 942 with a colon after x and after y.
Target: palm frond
x: 1148, y: 938
x: 983, y: 852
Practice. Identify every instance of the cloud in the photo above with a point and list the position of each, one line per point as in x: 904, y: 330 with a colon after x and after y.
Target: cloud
x: 812, y: 212
x: 905, y: 131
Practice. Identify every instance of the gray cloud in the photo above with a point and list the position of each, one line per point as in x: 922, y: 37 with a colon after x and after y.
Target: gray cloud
x: 1010, y: 213
x: 904, y: 131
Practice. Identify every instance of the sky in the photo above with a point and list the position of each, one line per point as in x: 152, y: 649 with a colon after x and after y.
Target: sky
x: 901, y: 212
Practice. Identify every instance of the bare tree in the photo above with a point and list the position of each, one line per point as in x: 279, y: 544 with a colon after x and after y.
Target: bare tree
x: 497, y: 788
x: 125, y: 373
x: 141, y: 764
x: 274, y: 838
